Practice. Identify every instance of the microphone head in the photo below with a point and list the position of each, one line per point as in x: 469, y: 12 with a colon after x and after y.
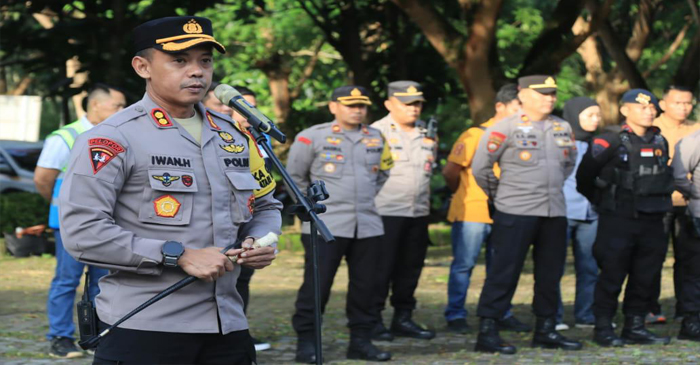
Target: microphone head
x: 225, y: 93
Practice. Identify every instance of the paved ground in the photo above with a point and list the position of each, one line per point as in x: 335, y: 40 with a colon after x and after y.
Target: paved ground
x: 24, y: 283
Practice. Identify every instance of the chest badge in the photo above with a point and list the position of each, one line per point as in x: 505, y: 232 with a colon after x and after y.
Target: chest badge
x: 226, y: 137
x: 233, y: 148
x: 187, y: 180
x: 525, y: 156
x: 329, y: 167
x: 334, y: 140
x: 166, y: 178
x: 166, y: 206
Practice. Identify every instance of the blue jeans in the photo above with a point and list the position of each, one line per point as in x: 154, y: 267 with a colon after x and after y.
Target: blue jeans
x: 582, y: 235
x: 60, y: 305
x: 467, y: 238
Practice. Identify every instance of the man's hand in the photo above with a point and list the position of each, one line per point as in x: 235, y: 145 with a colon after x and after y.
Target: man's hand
x: 252, y: 257
x: 207, y: 264
x: 44, y: 179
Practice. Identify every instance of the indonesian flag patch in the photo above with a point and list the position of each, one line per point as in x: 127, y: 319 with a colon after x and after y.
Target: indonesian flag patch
x: 102, y: 151
x: 647, y: 152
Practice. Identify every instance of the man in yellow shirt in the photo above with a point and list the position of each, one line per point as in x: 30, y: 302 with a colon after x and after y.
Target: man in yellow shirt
x: 677, y: 105
x: 469, y: 214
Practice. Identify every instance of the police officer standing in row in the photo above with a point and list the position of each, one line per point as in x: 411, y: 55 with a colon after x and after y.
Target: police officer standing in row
x: 686, y: 171
x: 536, y: 152
x: 626, y: 175
x: 354, y: 161
x: 404, y: 204
x: 154, y: 193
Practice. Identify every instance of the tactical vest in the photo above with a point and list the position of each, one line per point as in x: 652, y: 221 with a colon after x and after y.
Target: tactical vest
x: 648, y: 177
x: 69, y: 133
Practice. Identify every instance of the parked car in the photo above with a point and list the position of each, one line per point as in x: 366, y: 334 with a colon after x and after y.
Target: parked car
x: 17, y: 162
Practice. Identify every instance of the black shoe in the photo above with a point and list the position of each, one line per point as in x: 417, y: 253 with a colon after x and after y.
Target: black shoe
x: 604, y: 334
x: 490, y: 341
x: 64, y: 348
x: 458, y: 325
x: 546, y: 336
x: 363, y: 349
x: 513, y: 324
x: 403, y: 326
x: 690, y: 328
x: 635, y: 332
x: 306, y: 351
x: 380, y: 333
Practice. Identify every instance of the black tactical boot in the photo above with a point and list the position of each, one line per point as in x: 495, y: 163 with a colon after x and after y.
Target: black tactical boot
x: 490, y: 341
x: 380, y: 333
x: 635, y: 332
x: 546, y: 336
x: 306, y: 349
x: 403, y: 326
x: 361, y: 348
x: 604, y: 334
x: 690, y: 328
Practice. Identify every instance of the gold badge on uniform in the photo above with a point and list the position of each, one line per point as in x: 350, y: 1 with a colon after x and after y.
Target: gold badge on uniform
x: 166, y: 206
x: 161, y: 118
x: 643, y: 99
x: 233, y: 148
x: 329, y: 167
x: 227, y: 137
x: 658, y: 152
x: 335, y: 128
x: 525, y: 155
x: 334, y: 140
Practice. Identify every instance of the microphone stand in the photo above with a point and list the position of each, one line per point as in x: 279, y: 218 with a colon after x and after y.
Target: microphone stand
x: 307, y: 209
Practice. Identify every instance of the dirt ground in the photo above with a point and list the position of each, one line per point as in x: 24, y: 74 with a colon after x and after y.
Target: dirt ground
x: 24, y: 285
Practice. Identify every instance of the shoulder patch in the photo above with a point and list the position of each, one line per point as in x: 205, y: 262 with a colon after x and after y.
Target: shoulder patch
x: 102, y: 151
x: 599, y: 145
x: 161, y: 118
x: 495, y: 141
x: 304, y: 140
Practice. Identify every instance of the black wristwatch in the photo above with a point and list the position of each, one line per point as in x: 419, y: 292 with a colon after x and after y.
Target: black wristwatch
x: 171, y: 250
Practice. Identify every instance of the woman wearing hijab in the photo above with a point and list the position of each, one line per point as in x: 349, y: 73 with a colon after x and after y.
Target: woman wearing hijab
x: 584, y: 116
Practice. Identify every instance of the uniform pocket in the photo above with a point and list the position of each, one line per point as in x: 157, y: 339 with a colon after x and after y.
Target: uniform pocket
x: 243, y: 203
x: 526, y: 156
x: 169, y: 197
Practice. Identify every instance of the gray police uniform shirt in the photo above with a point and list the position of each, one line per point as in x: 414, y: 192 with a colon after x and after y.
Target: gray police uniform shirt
x: 138, y: 180
x: 685, y: 162
x: 535, y: 159
x: 353, y: 164
x: 407, y: 192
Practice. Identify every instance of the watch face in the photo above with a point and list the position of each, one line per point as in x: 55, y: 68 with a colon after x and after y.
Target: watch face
x: 172, y: 248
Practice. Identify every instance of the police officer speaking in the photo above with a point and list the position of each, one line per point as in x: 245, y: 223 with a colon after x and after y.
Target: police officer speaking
x: 404, y: 204
x: 536, y: 152
x: 154, y: 193
x: 626, y: 175
x: 354, y: 162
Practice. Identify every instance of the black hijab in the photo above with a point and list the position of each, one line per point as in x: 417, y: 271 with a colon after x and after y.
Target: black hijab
x: 572, y: 109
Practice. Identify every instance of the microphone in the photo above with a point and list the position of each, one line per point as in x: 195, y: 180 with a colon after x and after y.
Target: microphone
x: 231, y: 97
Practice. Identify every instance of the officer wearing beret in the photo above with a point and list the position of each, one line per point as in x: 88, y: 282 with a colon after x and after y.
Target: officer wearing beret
x: 536, y: 152
x: 354, y: 161
x: 404, y: 204
x: 154, y: 193
x: 627, y: 177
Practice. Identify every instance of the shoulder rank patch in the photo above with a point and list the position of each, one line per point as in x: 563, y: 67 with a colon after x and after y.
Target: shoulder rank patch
x: 304, y: 140
x: 102, y: 151
x: 211, y: 122
x: 335, y: 128
x: 494, y: 142
x: 161, y: 118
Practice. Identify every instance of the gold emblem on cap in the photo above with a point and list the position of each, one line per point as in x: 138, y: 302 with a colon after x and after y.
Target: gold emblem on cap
x: 643, y: 99
x: 411, y: 89
x: 356, y: 92
x: 192, y: 27
x: 550, y: 81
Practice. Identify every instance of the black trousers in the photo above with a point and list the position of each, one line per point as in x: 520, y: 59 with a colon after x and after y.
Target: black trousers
x: 402, y: 254
x: 127, y: 346
x: 510, y: 240
x: 361, y: 257
x: 243, y: 285
x: 629, y: 248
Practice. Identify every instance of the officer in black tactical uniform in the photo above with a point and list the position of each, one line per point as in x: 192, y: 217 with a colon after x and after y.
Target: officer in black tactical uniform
x: 626, y: 175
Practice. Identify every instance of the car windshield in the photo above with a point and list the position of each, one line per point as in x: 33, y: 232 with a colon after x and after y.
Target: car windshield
x: 26, y: 158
